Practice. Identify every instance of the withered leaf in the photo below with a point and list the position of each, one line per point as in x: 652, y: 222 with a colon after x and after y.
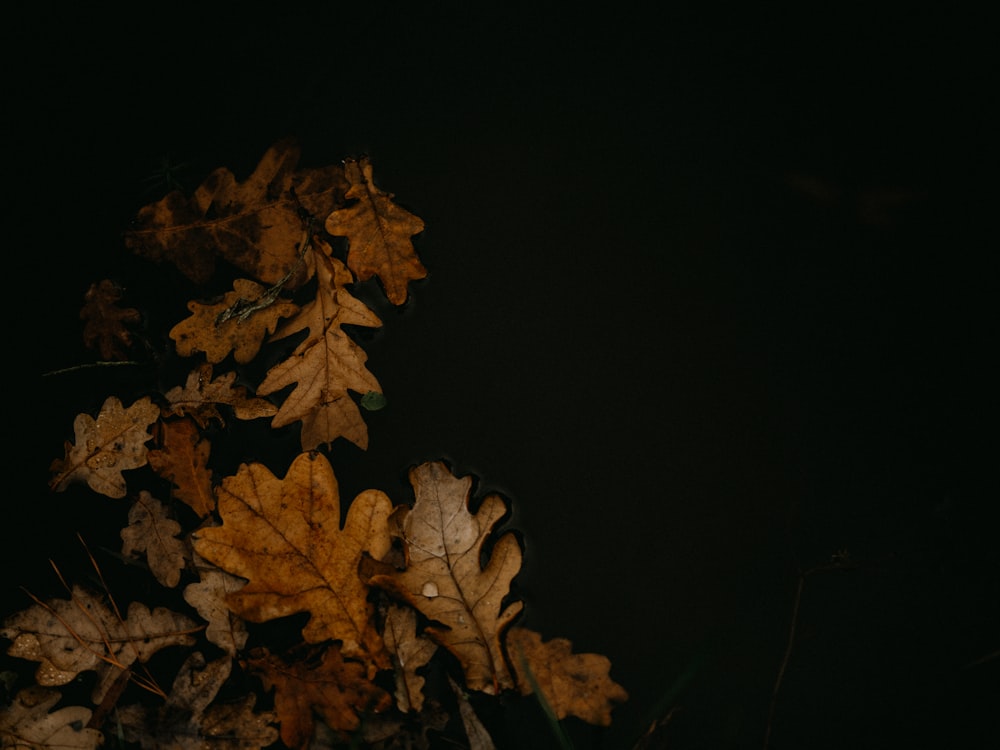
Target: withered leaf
x: 203, y: 331
x: 254, y: 225
x: 149, y: 530
x: 106, y: 326
x: 70, y: 636
x: 325, y: 685
x: 572, y: 684
x: 443, y: 577
x: 410, y: 651
x: 189, y: 719
x: 201, y: 396
x: 284, y: 536
x: 475, y: 731
x: 208, y: 597
x: 28, y: 724
x: 107, y: 446
x: 182, y: 459
x: 327, y: 364
x: 378, y: 233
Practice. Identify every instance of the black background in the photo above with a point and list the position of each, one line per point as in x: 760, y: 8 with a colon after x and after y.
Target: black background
x: 707, y: 303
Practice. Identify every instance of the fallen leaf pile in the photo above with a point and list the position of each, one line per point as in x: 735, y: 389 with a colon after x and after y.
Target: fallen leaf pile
x: 376, y: 595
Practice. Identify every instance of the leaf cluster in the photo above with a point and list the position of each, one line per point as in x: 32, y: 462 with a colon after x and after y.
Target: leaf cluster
x: 379, y: 597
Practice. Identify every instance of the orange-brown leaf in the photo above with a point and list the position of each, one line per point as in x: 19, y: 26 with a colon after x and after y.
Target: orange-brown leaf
x: 204, y: 331
x: 378, y: 233
x: 443, y: 578
x: 254, y: 225
x: 327, y: 364
x: 106, y: 326
x: 201, y: 396
x: 330, y: 687
x: 150, y: 530
x: 572, y: 684
x: 107, y: 446
x: 183, y: 460
x: 284, y: 536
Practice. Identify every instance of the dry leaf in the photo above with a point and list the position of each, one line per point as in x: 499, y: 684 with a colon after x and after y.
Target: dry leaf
x: 204, y: 331
x: 106, y: 447
x: 152, y: 532
x: 201, y: 396
x: 106, y: 323
x: 188, y: 720
x: 284, y: 536
x: 256, y: 225
x: 70, y: 636
x: 208, y: 597
x: 327, y: 686
x: 378, y: 234
x: 443, y: 578
x: 577, y: 684
x: 327, y: 364
x: 27, y: 724
x: 410, y: 651
x: 475, y: 732
x: 183, y: 460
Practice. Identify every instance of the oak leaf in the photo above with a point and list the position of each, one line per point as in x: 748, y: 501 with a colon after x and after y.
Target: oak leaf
x: 378, y: 233
x: 410, y: 651
x: 70, y: 636
x: 204, y: 331
x: 27, y: 723
x: 149, y: 530
x: 443, y: 578
x: 114, y: 442
x: 225, y: 629
x: 182, y: 459
x: 255, y: 225
x: 327, y: 364
x: 106, y: 326
x: 284, y: 536
x: 572, y: 684
x: 326, y: 685
x: 201, y: 396
x: 189, y: 719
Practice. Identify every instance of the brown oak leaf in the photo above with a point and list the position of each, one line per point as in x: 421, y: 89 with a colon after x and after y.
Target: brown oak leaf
x: 27, y: 723
x: 70, y: 636
x: 444, y: 579
x: 105, y: 447
x: 410, y: 651
x: 284, y: 536
x: 225, y: 629
x: 327, y: 364
x: 317, y: 684
x: 255, y: 225
x: 182, y: 459
x: 106, y: 323
x: 150, y: 531
x: 201, y: 396
x: 572, y: 684
x: 378, y: 233
x: 204, y: 331
x: 189, y: 719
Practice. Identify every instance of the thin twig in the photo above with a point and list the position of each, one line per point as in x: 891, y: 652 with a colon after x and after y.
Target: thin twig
x: 99, y: 363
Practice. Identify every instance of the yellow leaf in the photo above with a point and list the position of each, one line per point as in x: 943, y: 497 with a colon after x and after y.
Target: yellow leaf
x: 284, y: 536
